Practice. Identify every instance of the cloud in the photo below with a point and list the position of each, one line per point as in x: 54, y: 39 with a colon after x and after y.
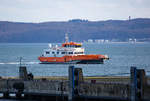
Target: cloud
x: 50, y: 10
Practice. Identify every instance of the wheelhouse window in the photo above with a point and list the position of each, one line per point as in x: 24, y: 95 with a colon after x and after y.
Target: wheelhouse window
x: 70, y: 52
x: 57, y: 52
x: 47, y: 52
x: 78, y: 46
x: 63, y: 52
x: 81, y: 52
x: 53, y: 52
x: 78, y: 53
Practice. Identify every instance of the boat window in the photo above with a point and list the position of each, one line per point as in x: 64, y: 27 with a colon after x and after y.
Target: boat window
x: 47, y: 52
x: 78, y: 53
x: 57, y: 52
x: 72, y: 46
x: 81, y: 52
x: 63, y: 52
x: 53, y: 52
x: 77, y: 46
x: 70, y: 52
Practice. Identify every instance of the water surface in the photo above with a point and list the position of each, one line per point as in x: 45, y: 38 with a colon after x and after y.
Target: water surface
x: 122, y: 57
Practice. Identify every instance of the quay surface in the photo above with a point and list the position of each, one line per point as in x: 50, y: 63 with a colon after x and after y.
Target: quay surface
x: 76, y: 87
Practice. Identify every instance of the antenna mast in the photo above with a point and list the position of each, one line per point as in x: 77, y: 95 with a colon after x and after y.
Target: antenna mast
x: 66, y: 38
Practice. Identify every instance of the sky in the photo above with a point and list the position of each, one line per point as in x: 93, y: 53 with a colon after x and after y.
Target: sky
x: 64, y: 10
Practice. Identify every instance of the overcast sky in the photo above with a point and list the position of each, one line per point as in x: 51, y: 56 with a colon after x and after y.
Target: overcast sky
x: 63, y: 10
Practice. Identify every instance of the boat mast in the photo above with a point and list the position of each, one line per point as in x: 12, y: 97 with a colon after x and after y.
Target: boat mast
x: 66, y: 38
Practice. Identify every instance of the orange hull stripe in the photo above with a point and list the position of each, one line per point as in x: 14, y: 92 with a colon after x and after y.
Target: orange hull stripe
x: 71, y: 58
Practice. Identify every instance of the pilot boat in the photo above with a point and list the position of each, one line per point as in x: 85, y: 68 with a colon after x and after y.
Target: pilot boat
x: 70, y: 53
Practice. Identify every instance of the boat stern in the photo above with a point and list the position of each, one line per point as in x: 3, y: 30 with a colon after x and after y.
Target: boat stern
x: 106, y: 57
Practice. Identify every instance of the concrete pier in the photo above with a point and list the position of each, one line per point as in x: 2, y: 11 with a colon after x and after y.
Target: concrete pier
x: 76, y: 87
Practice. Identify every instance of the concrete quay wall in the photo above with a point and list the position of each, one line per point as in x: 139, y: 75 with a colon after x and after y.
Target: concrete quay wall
x: 105, y: 89
x: 33, y: 86
x: 133, y: 88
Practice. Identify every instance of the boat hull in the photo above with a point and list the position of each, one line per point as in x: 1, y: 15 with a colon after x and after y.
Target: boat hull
x: 80, y: 59
x: 77, y: 62
x: 101, y: 61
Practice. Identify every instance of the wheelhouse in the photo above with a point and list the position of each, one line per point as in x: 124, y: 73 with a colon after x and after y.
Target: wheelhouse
x: 72, y: 44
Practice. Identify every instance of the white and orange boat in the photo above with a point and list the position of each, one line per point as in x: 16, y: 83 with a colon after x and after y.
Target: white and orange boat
x: 70, y: 52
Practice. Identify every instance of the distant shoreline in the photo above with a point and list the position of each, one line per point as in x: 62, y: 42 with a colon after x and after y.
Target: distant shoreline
x: 133, y: 30
x: 116, y: 42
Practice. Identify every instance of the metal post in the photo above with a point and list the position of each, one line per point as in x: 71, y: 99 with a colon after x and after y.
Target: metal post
x: 23, y: 73
x: 20, y: 61
x: 141, y: 83
x: 133, y: 82
x: 71, y: 83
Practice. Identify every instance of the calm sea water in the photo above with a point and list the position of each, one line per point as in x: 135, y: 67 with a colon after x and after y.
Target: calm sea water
x: 122, y: 57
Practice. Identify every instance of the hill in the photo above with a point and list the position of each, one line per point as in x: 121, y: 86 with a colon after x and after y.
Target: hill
x: 79, y: 30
